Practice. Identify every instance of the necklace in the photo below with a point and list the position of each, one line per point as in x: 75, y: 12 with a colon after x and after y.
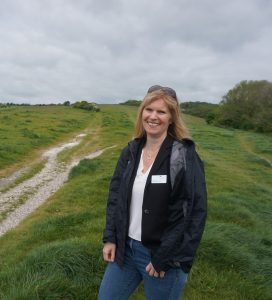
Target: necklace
x: 149, y: 154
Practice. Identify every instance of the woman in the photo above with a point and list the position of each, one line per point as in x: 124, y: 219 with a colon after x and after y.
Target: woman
x: 156, y: 207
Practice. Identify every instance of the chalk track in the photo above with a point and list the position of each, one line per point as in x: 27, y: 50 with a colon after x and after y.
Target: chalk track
x: 36, y: 190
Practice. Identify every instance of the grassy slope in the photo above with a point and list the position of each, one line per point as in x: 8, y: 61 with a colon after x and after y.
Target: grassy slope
x: 25, y: 128
x: 56, y: 252
x: 236, y: 250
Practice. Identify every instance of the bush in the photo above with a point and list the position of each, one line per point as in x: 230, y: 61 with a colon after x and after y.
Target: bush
x: 66, y: 103
x: 86, y: 105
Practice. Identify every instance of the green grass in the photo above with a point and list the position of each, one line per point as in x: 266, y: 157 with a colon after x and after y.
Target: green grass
x: 27, y: 128
x: 56, y: 252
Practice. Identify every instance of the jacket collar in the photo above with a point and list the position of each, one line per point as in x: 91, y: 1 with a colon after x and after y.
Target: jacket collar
x: 136, y: 144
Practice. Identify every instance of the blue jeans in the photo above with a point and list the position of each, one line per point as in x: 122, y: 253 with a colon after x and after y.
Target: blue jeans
x: 119, y: 283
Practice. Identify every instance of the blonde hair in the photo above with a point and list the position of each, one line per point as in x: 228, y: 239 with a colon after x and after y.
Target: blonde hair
x: 176, y: 129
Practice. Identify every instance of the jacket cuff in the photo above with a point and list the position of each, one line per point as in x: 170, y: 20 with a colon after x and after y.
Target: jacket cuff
x: 109, y: 236
x: 159, y: 265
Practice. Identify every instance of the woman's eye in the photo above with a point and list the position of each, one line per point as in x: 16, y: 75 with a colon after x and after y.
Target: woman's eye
x: 148, y: 109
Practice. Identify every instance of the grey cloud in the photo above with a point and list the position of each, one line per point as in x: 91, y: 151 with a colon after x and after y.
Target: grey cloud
x: 113, y: 50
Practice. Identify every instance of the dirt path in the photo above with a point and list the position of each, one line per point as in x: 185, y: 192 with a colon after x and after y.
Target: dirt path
x: 246, y: 145
x: 34, y: 191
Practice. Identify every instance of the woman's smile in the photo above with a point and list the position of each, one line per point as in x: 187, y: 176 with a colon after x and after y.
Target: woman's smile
x: 153, y: 124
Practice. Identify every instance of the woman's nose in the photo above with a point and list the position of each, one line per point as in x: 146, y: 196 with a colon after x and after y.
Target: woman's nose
x: 153, y: 115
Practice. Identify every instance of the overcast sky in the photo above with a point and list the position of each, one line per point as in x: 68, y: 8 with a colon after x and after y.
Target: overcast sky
x: 109, y: 51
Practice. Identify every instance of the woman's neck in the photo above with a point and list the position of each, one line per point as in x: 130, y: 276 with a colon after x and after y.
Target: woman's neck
x: 153, y: 143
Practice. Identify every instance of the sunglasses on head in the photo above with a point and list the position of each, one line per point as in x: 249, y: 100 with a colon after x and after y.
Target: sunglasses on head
x: 168, y: 91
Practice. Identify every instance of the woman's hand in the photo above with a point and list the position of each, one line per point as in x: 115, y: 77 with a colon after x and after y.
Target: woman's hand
x: 109, y: 250
x: 152, y: 272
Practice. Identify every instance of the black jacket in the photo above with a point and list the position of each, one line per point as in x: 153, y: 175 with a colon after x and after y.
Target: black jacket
x: 173, y: 214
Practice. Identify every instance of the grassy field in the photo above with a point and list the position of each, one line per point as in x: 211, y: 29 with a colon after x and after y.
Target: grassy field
x: 56, y: 252
x: 24, y: 129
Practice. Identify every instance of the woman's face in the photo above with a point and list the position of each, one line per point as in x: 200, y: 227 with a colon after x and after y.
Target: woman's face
x: 156, y: 118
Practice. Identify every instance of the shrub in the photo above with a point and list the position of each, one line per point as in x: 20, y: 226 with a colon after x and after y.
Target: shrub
x: 86, y: 105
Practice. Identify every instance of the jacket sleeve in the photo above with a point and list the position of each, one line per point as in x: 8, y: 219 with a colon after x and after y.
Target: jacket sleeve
x: 186, y: 215
x: 109, y: 234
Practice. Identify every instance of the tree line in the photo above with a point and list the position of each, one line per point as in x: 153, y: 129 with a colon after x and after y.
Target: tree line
x: 90, y: 106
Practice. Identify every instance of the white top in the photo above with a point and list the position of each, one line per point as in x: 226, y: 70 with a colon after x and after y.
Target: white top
x: 135, y: 221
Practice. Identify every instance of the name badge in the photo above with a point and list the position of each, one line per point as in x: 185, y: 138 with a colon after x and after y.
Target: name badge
x: 158, y: 179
